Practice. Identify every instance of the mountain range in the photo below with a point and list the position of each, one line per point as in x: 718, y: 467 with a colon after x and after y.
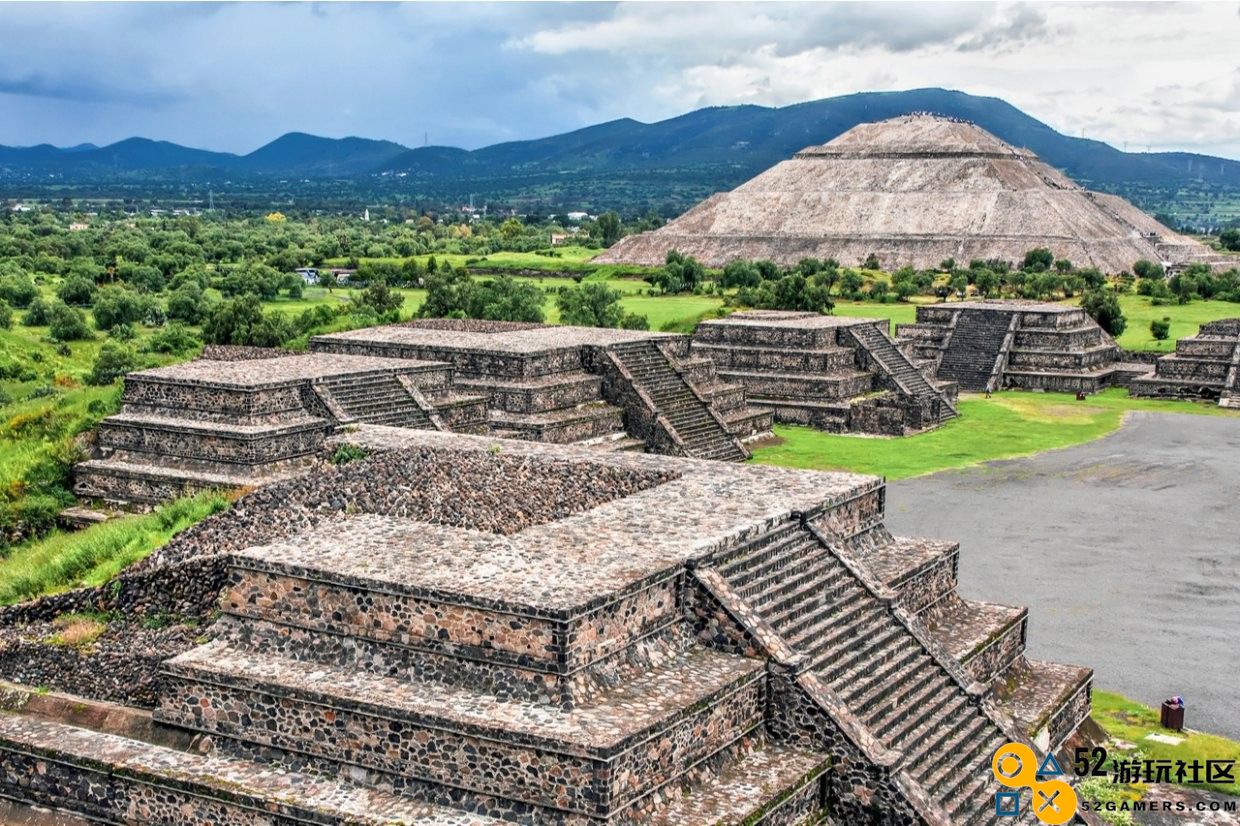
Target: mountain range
x: 689, y: 155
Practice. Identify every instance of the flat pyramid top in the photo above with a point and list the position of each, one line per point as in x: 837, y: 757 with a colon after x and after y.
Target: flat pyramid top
x: 916, y: 135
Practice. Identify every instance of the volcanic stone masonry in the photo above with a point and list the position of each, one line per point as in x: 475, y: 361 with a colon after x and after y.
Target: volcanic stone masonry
x: 621, y: 389
x: 1204, y: 366
x: 914, y: 190
x: 837, y: 374
x: 994, y: 345
x: 460, y: 629
x: 215, y: 423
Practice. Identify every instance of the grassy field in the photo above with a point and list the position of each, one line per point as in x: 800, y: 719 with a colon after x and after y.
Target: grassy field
x: 1131, y: 722
x: 63, y: 560
x: 1007, y: 425
x: 1185, y: 319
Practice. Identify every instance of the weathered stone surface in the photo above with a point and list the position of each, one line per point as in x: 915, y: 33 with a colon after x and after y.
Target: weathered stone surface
x: 912, y: 190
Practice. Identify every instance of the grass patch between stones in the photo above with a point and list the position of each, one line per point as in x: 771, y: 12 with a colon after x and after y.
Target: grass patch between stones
x: 90, y: 557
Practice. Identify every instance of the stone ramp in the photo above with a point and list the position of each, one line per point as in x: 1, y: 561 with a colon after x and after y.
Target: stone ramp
x: 900, y: 370
x: 376, y: 399
x: 904, y: 691
x: 973, y: 349
x: 703, y: 434
x: 113, y: 779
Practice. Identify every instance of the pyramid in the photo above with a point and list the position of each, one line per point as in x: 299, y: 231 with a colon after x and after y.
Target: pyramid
x: 913, y: 190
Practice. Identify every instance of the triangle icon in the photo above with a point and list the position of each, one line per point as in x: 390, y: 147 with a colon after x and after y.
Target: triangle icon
x: 1050, y: 766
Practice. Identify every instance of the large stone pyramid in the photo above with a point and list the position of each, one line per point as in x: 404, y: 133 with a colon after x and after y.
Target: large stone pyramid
x: 912, y: 190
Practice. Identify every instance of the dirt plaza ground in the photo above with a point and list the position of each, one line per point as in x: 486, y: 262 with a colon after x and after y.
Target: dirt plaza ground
x: 1125, y: 549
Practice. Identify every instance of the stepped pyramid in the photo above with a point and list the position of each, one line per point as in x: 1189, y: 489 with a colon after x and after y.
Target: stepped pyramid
x: 1032, y: 345
x: 913, y: 190
x: 1205, y: 366
x: 464, y: 630
x: 835, y: 373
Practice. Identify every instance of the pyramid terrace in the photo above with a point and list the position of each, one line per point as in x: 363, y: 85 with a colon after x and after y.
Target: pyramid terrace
x: 460, y: 629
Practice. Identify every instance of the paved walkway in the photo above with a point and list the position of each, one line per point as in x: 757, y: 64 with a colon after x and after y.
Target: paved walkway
x: 1126, y: 550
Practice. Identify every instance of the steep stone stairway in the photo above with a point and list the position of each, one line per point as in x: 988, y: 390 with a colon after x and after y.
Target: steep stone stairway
x: 896, y: 364
x: 704, y: 435
x: 973, y: 348
x: 376, y: 399
x: 889, y: 680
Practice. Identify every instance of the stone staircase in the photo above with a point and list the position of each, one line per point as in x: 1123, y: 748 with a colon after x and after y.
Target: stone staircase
x: 973, y: 348
x: 376, y: 399
x: 892, y: 361
x: 905, y: 695
x: 704, y: 434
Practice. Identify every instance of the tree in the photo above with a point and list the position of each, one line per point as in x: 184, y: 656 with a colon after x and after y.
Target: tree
x: 66, y: 323
x: 17, y: 289
x: 1230, y: 239
x: 119, y: 305
x: 1160, y: 329
x: 1038, y: 259
x: 740, y: 274
x: 6, y: 315
x: 241, y: 321
x: 596, y: 305
x: 511, y: 229
x: 77, y: 291
x: 1103, y: 307
x: 1063, y: 266
x: 871, y: 262
x: 38, y: 313
x: 680, y: 273
x: 188, y: 303
x: 609, y: 229
x: 986, y: 281
x: 453, y: 294
x: 380, y: 299
x: 1147, y: 269
x: 113, y: 362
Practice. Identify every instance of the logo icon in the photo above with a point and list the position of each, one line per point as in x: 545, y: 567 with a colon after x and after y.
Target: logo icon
x: 1015, y: 766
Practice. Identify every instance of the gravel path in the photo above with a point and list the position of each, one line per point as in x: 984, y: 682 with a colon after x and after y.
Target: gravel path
x: 1126, y: 550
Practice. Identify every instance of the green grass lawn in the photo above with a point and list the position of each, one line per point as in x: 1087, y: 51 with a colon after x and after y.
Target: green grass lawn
x: 1131, y: 722
x: 62, y: 560
x: 1009, y: 424
x: 1139, y: 310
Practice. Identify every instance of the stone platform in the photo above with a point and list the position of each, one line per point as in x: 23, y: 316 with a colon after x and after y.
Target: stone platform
x: 241, y: 423
x: 1204, y: 366
x: 834, y: 373
x: 999, y: 344
x: 463, y: 629
x: 564, y: 384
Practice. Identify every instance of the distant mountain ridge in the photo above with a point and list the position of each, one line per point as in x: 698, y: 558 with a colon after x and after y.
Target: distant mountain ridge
x: 624, y: 161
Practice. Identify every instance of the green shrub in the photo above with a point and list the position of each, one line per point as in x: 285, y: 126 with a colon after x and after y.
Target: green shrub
x: 175, y: 339
x: 113, y: 362
x: 77, y: 290
x: 6, y: 315
x: 67, y: 323
x: 38, y: 313
x: 242, y: 321
x: 1103, y: 307
x: 1161, y: 329
x: 17, y: 290
x: 119, y: 305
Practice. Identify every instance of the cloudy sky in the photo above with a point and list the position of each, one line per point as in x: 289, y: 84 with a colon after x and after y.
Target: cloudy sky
x: 234, y: 76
